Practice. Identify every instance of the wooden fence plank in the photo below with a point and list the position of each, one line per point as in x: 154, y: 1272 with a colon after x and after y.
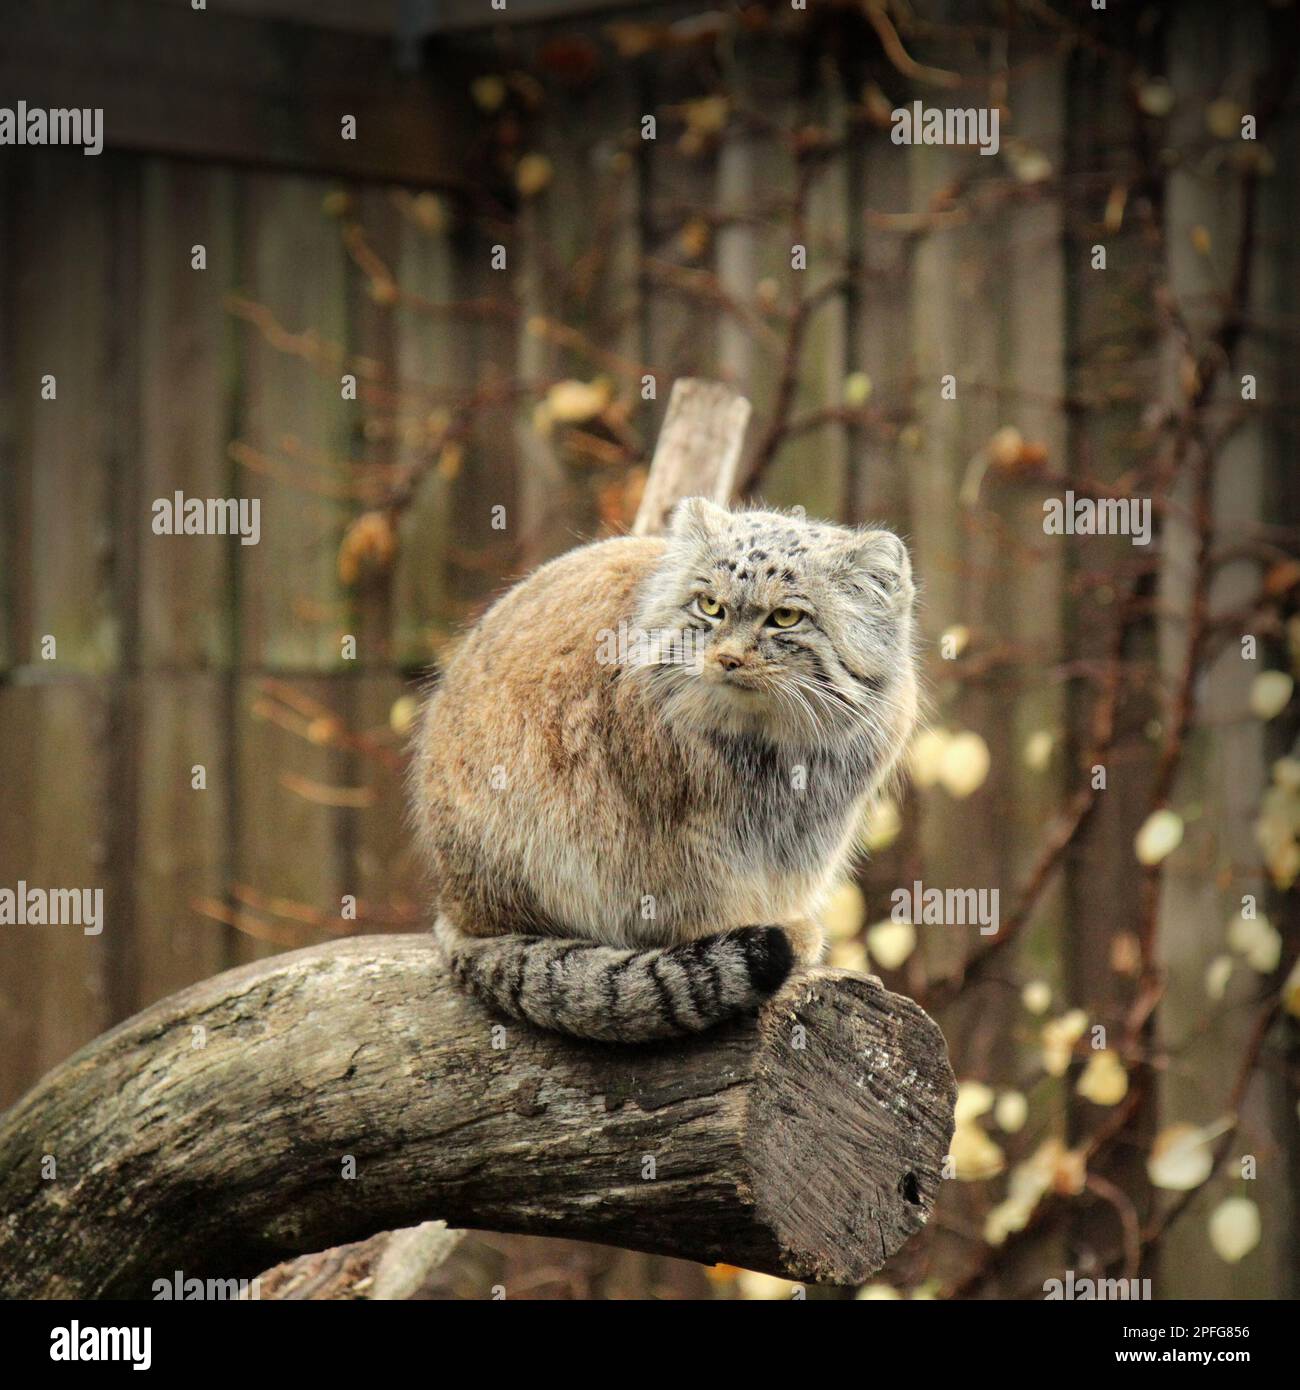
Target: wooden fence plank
x: 53, y: 978
x: 429, y: 350
x: 292, y: 607
x: 62, y: 552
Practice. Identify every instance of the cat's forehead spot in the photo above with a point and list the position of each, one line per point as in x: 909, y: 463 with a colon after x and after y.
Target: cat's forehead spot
x: 755, y: 539
x: 759, y: 557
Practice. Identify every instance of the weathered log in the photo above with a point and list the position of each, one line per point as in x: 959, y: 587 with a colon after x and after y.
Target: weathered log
x: 212, y: 1133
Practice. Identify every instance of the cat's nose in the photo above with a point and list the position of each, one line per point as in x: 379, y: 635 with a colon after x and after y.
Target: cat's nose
x: 728, y: 661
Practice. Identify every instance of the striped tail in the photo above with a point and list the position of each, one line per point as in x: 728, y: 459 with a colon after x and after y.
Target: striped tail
x: 591, y: 991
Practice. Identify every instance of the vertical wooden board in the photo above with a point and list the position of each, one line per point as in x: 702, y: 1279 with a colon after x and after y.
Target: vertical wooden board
x: 953, y: 838
x: 61, y: 560
x: 1022, y: 303
x: 1028, y: 597
x: 371, y: 833
x: 487, y: 553
x: 384, y: 870
x: 185, y: 595
x: 10, y: 187
x: 829, y: 338
x: 878, y: 184
x: 679, y: 191
x: 1100, y: 868
x: 292, y: 610
x: 757, y: 181
x: 618, y: 308
x: 126, y: 510
x: 180, y: 858
x: 737, y: 244
x: 371, y: 334
x: 75, y: 243
x: 577, y: 292
x: 551, y: 508
x: 287, y: 844
x: 429, y: 353
x: 290, y: 603
x: 970, y: 838
x: 938, y: 543
x: 813, y: 464
x: 53, y: 978
x: 1110, y: 324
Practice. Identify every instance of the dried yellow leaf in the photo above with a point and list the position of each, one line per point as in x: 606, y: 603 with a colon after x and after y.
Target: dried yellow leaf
x: 1011, y: 1112
x: 881, y: 825
x: 488, y: 92
x: 1270, y: 693
x: 1038, y: 750
x: 1257, y: 940
x: 927, y: 755
x: 1160, y: 834
x: 1180, y: 1158
x: 574, y: 402
x: 857, y: 389
x: 1036, y: 996
x: 1234, y: 1229
x: 402, y: 714
x: 1059, y: 1036
x: 1104, y: 1080
x: 975, y: 1157
x: 965, y: 764
x: 1156, y: 97
x: 1223, y: 118
x: 532, y: 174
x: 1217, y: 975
x: 890, y: 943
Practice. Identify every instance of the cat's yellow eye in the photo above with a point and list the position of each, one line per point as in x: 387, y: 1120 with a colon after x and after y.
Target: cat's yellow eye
x: 710, y: 607
x: 785, y: 617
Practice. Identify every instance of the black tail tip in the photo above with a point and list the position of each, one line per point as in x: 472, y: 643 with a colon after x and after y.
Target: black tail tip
x: 769, y: 957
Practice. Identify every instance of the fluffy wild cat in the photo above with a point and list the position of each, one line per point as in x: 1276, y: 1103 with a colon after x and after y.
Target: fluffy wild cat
x: 642, y: 772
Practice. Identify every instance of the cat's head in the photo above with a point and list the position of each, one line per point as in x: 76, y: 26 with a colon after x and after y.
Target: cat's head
x: 799, y: 629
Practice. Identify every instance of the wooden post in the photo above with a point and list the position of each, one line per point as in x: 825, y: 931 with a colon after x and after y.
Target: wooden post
x: 697, y: 453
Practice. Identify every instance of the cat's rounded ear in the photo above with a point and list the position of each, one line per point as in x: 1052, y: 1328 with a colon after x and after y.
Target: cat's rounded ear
x: 877, y: 563
x: 696, y: 518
